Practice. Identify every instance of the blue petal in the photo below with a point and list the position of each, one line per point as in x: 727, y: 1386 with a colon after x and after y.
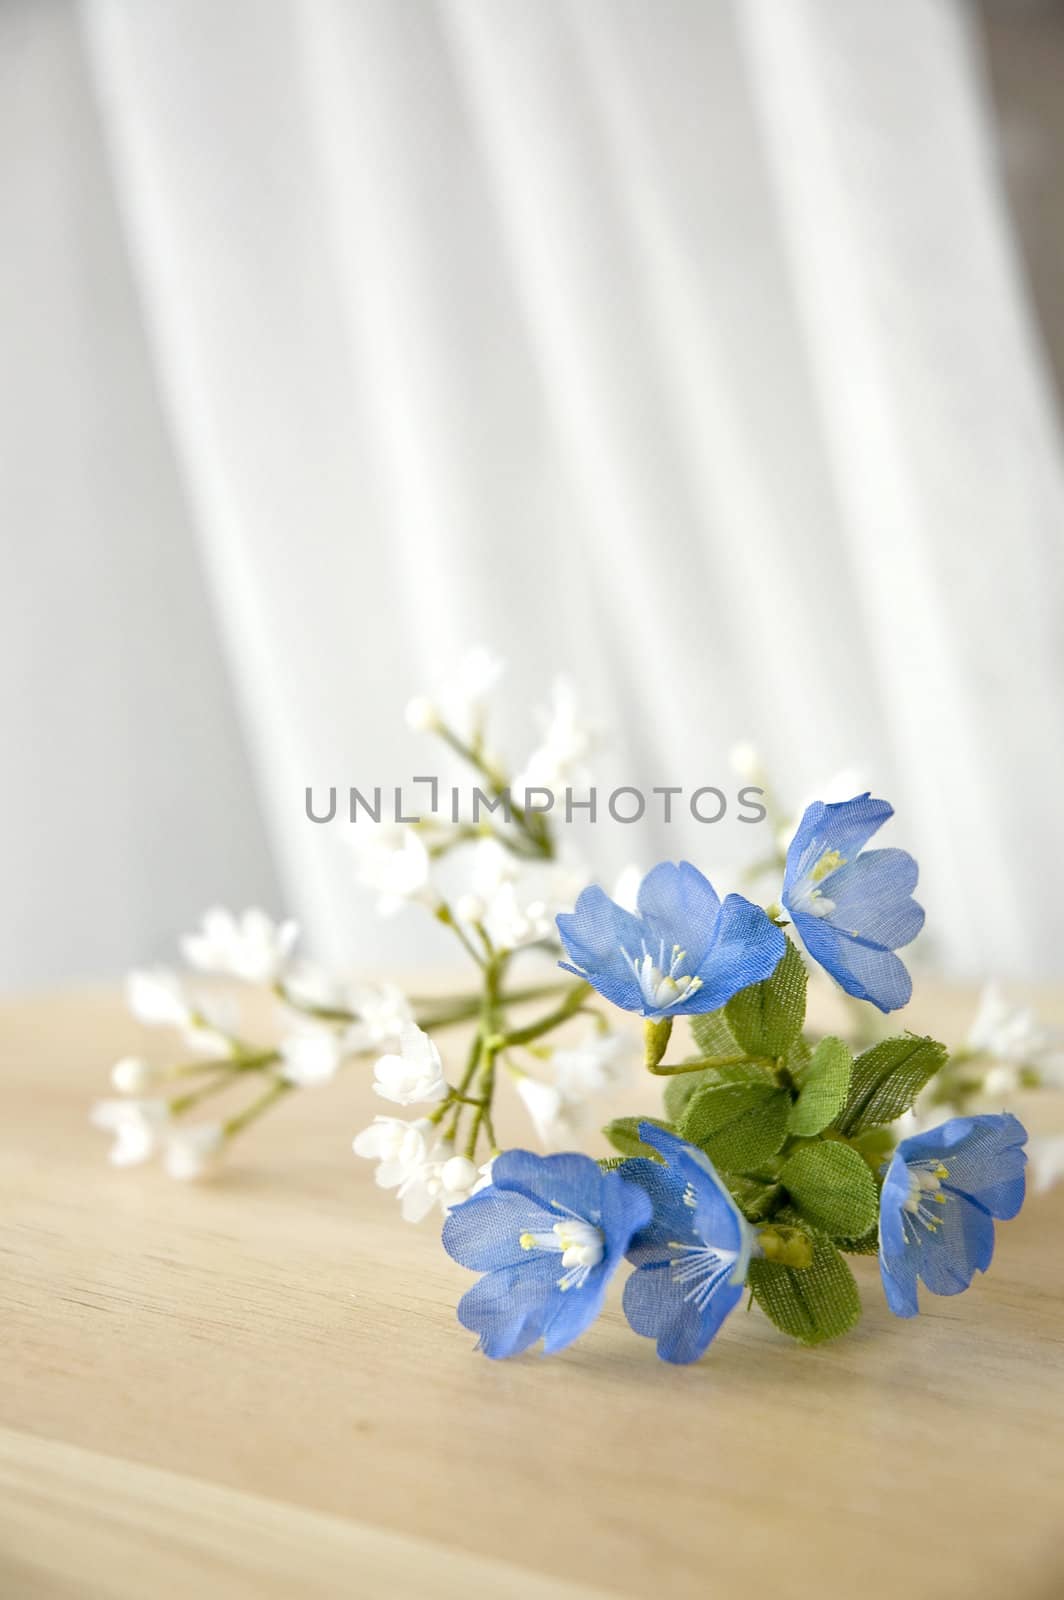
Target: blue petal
x: 715, y: 1218
x: 596, y: 935
x: 747, y: 948
x: 864, y: 971
x: 568, y: 1184
x: 845, y: 827
x: 899, y: 1285
x: 670, y: 1218
x: 626, y: 1208
x: 484, y: 1233
x: 680, y: 907
x: 984, y: 1156
x: 658, y: 1307
x: 872, y: 895
x: 963, y: 1245
x: 510, y: 1308
x: 894, y: 1194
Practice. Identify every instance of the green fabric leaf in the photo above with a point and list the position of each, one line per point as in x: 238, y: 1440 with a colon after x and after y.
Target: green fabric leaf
x: 681, y: 1088
x: 738, y: 1125
x: 832, y: 1188
x: 866, y: 1245
x: 823, y: 1084
x: 767, y: 1017
x: 757, y: 1198
x: 623, y: 1134
x: 799, y: 1055
x: 887, y: 1079
x: 876, y: 1146
x: 813, y: 1303
x: 712, y: 1034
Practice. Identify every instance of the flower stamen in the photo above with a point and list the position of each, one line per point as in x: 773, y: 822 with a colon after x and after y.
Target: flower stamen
x: 662, y: 986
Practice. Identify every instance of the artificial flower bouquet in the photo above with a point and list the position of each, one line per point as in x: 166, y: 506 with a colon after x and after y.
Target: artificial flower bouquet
x: 776, y: 1152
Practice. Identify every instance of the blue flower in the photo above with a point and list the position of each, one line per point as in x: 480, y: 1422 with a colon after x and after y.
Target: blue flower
x: 683, y: 953
x: 548, y: 1234
x: 940, y: 1195
x: 692, y: 1256
x: 852, y: 910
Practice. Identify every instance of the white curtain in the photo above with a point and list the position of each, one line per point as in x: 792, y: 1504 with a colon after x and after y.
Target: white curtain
x: 679, y: 345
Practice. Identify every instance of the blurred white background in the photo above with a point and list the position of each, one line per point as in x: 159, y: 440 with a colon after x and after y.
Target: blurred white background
x: 685, y: 346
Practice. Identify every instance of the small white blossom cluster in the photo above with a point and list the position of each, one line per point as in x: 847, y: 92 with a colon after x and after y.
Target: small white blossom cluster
x: 1014, y: 1041
x: 325, y: 1021
x: 421, y: 1166
x: 560, y: 1107
x: 143, y: 1128
x: 514, y: 899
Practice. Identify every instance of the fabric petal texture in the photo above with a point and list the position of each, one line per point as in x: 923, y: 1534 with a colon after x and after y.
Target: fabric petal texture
x: 548, y: 1233
x: 691, y: 1257
x: 941, y: 1193
x: 853, y: 910
x: 683, y: 954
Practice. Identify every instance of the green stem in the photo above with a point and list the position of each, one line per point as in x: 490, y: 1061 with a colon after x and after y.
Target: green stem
x: 572, y: 1003
x: 706, y: 1064
x: 445, y: 915
x: 532, y: 825
x: 459, y: 1094
x: 236, y: 1124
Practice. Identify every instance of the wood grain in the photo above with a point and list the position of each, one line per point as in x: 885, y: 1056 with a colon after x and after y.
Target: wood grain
x: 258, y: 1387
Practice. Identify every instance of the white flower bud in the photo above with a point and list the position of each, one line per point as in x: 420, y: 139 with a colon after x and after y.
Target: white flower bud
x: 133, y: 1076
x: 422, y: 715
x: 458, y: 1177
x: 416, y: 1074
x: 190, y: 1153
x: 746, y: 762
x: 470, y: 908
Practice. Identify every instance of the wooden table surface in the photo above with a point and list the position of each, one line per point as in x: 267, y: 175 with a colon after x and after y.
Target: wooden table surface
x: 257, y: 1387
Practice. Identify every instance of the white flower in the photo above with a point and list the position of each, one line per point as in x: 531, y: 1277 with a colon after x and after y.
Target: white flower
x: 407, y: 1162
x: 746, y: 762
x: 461, y: 699
x: 558, y: 761
x: 559, y: 1110
x: 1001, y: 1082
x: 554, y: 1118
x: 422, y: 1188
x: 398, y: 1147
x: 191, y: 1152
x: 599, y: 1063
x: 391, y: 859
x: 382, y: 1011
x: 459, y: 1178
x: 413, y: 1076
x: 508, y: 898
x: 420, y: 1166
x: 251, y: 946
x: 1006, y: 1032
x: 1046, y: 1154
x: 137, y: 1126
x: 133, y: 1076
x: 311, y: 1054
x: 422, y: 714
x: 463, y: 695
x: 509, y: 923
x: 156, y: 997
